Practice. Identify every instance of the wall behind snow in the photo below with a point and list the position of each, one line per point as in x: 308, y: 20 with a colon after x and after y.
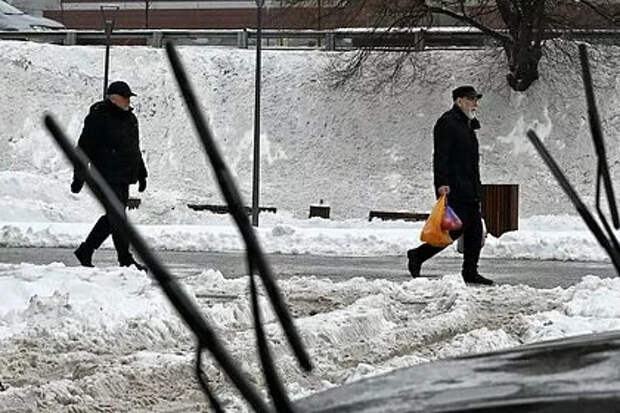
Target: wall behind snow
x: 355, y: 149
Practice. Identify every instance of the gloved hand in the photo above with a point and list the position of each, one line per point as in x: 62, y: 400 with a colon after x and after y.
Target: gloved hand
x: 142, y: 185
x: 76, y: 186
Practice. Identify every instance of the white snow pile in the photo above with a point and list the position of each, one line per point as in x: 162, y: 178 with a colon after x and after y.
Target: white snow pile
x: 75, y: 339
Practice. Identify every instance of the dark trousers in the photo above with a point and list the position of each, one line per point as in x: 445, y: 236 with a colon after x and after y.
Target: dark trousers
x: 103, y: 228
x: 469, y: 213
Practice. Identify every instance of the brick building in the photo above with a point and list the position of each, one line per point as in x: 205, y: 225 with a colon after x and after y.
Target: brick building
x: 236, y: 14
x: 187, y: 14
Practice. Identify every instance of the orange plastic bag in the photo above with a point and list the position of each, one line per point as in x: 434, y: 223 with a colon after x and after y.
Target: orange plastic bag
x: 431, y: 232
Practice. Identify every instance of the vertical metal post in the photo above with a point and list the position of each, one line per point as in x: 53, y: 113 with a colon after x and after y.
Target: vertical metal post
x: 62, y: 12
x: 70, y: 38
x: 108, y: 24
x: 280, y: 22
x: 147, y: 4
x: 108, y: 32
x: 319, y: 22
x: 242, y: 39
x: 256, y: 169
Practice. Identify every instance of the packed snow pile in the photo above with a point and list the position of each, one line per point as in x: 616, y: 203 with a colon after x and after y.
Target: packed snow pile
x: 354, y: 147
x: 123, y: 348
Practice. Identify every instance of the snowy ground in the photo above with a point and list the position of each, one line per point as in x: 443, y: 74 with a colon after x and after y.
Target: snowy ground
x: 541, y: 237
x: 105, y: 340
x: 78, y: 340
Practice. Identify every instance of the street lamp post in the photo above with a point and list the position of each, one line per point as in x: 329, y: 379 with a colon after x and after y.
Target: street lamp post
x: 256, y: 163
x: 108, y: 24
x: 319, y: 21
x: 147, y: 4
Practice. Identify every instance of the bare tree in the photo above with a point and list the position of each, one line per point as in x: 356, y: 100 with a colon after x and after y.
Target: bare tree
x: 522, y: 28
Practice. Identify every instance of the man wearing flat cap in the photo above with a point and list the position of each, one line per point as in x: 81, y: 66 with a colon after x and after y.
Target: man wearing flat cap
x: 457, y: 174
x: 110, y: 140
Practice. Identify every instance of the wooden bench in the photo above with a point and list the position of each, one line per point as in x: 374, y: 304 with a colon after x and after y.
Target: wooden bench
x: 392, y: 216
x: 223, y: 209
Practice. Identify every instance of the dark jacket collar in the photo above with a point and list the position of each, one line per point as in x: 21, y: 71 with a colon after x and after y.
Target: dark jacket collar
x: 472, y: 123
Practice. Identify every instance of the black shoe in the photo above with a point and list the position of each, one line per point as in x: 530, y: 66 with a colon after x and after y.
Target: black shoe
x: 84, y: 256
x: 414, y: 265
x: 477, y: 279
x: 131, y: 261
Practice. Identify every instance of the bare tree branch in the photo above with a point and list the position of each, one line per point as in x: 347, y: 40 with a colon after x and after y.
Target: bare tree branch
x: 612, y: 19
x: 501, y: 37
x: 521, y: 27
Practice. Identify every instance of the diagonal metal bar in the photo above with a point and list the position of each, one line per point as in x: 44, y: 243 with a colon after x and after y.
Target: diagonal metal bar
x: 233, y: 199
x: 572, y: 195
x: 202, y: 380
x: 186, y: 308
x: 278, y: 393
x: 597, y: 134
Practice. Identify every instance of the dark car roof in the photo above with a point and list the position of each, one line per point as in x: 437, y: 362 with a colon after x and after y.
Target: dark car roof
x: 577, y: 374
x: 6, y: 8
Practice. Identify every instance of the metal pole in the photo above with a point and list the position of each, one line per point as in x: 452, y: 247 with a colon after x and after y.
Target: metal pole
x: 319, y: 22
x: 256, y: 169
x: 108, y: 32
x: 147, y: 3
x: 280, y: 22
x: 108, y: 25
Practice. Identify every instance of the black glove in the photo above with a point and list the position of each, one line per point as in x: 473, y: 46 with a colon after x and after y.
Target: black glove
x: 76, y: 186
x: 142, y: 185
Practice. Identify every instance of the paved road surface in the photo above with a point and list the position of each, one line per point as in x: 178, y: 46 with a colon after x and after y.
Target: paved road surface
x: 539, y: 274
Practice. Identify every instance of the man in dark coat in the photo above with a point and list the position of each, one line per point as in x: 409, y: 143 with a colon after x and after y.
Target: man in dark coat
x: 457, y: 174
x: 110, y: 140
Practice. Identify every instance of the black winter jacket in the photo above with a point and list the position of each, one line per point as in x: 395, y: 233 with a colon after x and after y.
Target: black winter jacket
x: 110, y: 140
x: 455, y: 157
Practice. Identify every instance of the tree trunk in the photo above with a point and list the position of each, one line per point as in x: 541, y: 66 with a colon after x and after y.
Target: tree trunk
x: 523, y: 65
x: 525, y: 22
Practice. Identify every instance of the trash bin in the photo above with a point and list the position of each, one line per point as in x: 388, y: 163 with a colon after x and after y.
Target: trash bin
x: 500, y: 208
